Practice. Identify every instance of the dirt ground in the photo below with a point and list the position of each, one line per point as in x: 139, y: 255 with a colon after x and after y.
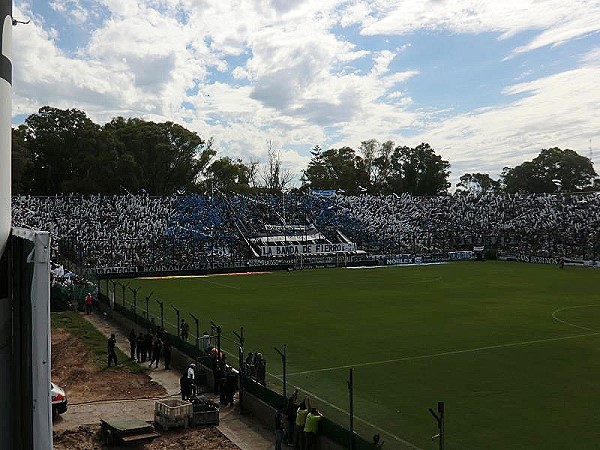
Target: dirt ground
x: 208, y: 438
x: 85, y: 382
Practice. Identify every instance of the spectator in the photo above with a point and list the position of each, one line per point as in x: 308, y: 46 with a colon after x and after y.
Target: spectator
x: 301, y: 414
x: 112, y: 356
x: 185, y: 329
x: 311, y: 427
x: 167, y: 351
x: 279, y: 428
x: 132, y: 343
x: 88, y: 303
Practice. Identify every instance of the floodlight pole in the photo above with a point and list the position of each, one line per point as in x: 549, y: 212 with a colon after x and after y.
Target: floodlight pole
x: 178, y: 330
x: 351, y: 409
x: 242, y: 364
x: 284, y: 363
x: 162, y: 315
x: 197, y: 333
x: 440, y: 423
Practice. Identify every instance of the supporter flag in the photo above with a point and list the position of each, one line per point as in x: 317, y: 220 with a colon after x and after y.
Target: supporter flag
x: 558, y: 183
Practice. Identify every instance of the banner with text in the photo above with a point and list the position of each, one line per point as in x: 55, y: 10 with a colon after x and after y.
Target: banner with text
x: 308, y: 249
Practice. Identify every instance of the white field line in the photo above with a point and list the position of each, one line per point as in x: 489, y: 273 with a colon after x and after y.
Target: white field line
x: 555, y: 316
x: 453, y: 352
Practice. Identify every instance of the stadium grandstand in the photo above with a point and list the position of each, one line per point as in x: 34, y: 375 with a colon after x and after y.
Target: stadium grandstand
x: 146, y: 233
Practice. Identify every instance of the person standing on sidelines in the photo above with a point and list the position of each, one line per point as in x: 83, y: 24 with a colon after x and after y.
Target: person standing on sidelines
x: 156, y: 349
x: 185, y: 330
x: 290, y: 419
x: 279, y: 429
x: 141, y: 352
x: 132, y: 344
x: 88, y: 303
x: 191, y: 381
x: 167, y: 352
x: 112, y: 356
x: 301, y: 414
x: 311, y: 427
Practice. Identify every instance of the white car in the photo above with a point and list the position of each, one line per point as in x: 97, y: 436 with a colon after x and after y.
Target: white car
x: 59, y: 400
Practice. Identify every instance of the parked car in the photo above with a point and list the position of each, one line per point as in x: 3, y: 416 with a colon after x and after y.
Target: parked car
x: 59, y: 400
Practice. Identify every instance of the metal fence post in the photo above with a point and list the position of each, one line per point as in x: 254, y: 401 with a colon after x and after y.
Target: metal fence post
x: 178, y: 325
x: 242, y: 365
x: 162, y: 315
x: 351, y: 410
x: 197, y: 333
x: 284, y: 363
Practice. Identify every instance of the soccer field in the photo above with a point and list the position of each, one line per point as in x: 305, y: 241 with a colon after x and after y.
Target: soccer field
x: 512, y: 349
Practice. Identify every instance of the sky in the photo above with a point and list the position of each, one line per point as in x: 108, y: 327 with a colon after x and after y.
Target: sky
x: 486, y: 83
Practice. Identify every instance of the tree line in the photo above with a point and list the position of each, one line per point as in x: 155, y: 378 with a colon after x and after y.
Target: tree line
x: 59, y: 151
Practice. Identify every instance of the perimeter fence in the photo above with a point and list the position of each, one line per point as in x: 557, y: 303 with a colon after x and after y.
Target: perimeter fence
x: 151, y: 313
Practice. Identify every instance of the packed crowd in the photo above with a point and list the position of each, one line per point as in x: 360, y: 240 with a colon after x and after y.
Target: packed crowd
x: 546, y: 224
x: 144, y: 231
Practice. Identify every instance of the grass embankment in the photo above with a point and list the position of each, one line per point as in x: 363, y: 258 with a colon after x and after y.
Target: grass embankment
x: 93, y: 339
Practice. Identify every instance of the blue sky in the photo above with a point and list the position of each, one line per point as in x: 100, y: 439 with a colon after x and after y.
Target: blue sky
x: 487, y: 84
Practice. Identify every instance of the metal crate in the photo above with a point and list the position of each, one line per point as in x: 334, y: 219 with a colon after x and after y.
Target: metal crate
x: 172, y: 413
x: 205, y: 418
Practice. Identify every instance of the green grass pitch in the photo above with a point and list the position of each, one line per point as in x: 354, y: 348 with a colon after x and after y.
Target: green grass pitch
x: 512, y: 349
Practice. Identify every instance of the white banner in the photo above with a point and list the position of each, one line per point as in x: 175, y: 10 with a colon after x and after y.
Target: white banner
x: 309, y: 249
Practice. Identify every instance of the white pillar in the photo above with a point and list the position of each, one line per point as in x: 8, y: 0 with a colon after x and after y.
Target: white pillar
x: 5, y: 120
x: 7, y: 432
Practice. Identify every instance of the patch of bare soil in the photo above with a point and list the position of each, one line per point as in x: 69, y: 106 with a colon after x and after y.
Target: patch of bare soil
x: 206, y: 438
x: 85, y: 437
x: 83, y: 381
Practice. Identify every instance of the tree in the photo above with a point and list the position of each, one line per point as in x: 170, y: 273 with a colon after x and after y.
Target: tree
x: 553, y: 169
x: 22, y: 161
x: 162, y: 157
x: 69, y: 152
x: 478, y: 183
x: 381, y: 167
x: 228, y: 175
x: 274, y: 177
x: 336, y: 169
x: 418, y: 171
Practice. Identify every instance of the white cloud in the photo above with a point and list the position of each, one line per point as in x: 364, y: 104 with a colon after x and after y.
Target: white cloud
x: 559, y: 110
x: 557, y: 20
x: 299, y: 87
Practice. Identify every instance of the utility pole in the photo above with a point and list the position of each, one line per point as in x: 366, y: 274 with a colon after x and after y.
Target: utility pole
x: 284, y: 363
